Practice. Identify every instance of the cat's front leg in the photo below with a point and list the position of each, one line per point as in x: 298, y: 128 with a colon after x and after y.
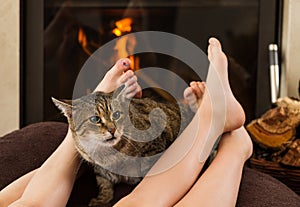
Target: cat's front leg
x: 106, y: 192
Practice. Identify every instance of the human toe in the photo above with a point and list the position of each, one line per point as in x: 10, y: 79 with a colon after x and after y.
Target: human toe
x: 126, y: 76
x: 197, y: 89
x: 120, y: 67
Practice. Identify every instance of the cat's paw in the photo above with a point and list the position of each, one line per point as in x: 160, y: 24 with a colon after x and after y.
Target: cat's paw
x: 103, y: 198
x: 95, y: 202
x: 106, y: 192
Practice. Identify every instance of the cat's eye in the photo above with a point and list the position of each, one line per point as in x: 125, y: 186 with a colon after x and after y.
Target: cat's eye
x: 116, y: 115
x: 95, y: 119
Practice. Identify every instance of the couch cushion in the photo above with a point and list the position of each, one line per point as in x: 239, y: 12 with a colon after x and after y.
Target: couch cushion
x: 26, y: 149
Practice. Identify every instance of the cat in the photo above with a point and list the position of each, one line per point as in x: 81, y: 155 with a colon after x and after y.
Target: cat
x: 112, y: 132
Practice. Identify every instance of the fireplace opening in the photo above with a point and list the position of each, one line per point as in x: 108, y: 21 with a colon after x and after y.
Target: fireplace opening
x: 59, y: 36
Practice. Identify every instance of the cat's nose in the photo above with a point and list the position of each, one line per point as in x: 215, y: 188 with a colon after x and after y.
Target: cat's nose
x: 112, y: 130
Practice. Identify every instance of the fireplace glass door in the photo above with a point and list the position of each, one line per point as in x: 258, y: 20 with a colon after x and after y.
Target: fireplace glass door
x: 59, y: 36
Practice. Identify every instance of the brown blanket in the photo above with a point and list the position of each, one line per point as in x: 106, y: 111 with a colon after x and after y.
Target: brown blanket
x: 26, y: 149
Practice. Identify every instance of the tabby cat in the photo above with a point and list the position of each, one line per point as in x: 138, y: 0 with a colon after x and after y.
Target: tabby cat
x: 113, y: 134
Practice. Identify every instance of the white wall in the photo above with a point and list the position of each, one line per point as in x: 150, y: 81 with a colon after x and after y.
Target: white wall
x: 9, y: 65
x: 291, y: 48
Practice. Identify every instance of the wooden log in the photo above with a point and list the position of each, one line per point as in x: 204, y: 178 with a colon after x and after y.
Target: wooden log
x: 278, y: 125
x: 269, y: 139
x: 292, y: 157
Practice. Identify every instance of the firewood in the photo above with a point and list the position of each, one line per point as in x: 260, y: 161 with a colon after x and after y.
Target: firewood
x: 292, y: 157
x: 270, y: 137
x: 278, y: 125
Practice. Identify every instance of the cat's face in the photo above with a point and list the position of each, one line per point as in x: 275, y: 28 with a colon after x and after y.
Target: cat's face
x: 92, y: 120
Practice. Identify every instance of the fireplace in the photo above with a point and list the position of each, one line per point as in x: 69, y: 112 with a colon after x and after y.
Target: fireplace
x: 59, y: 36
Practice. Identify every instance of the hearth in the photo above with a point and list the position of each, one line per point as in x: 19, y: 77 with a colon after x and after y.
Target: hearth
x: 59, y: 36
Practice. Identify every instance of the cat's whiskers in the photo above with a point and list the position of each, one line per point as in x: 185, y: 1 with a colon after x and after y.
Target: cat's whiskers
x: 96, y: 146
x: 130, y: 143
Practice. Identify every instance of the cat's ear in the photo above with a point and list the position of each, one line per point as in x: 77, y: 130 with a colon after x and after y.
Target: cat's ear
x: 120, y: 90
x: 64, y: 105
x: 119, y: 93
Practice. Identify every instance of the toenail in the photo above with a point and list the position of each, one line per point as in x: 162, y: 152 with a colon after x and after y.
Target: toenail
x: 125, y: 63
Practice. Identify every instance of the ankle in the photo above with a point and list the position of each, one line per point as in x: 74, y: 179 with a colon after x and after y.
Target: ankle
x: 235, y: 116
x: 237, y: 144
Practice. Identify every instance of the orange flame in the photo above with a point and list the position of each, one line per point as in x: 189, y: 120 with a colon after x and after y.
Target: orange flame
x: 123, y: 25
x: 126, y: 45
x: 82, y: 39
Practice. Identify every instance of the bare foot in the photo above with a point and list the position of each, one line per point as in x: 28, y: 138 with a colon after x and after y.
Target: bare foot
x: 235, y: 116
x: 193, y: 95
x: 132, y: 88
x: 238, y: 142
x: 116, y: 76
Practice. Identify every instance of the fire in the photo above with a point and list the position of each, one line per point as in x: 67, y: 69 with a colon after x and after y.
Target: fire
x: 126, y: 44
x: 135, y: 62
x: 88, y: 44
x: 123, y: 25
x: 82, y: 39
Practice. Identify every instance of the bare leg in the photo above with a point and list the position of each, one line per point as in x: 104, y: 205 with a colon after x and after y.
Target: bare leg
x: 219, y: 184
x: 51, y: 184
x: 188, y: 168
x: 14, y: 191
x: 219, y: 60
